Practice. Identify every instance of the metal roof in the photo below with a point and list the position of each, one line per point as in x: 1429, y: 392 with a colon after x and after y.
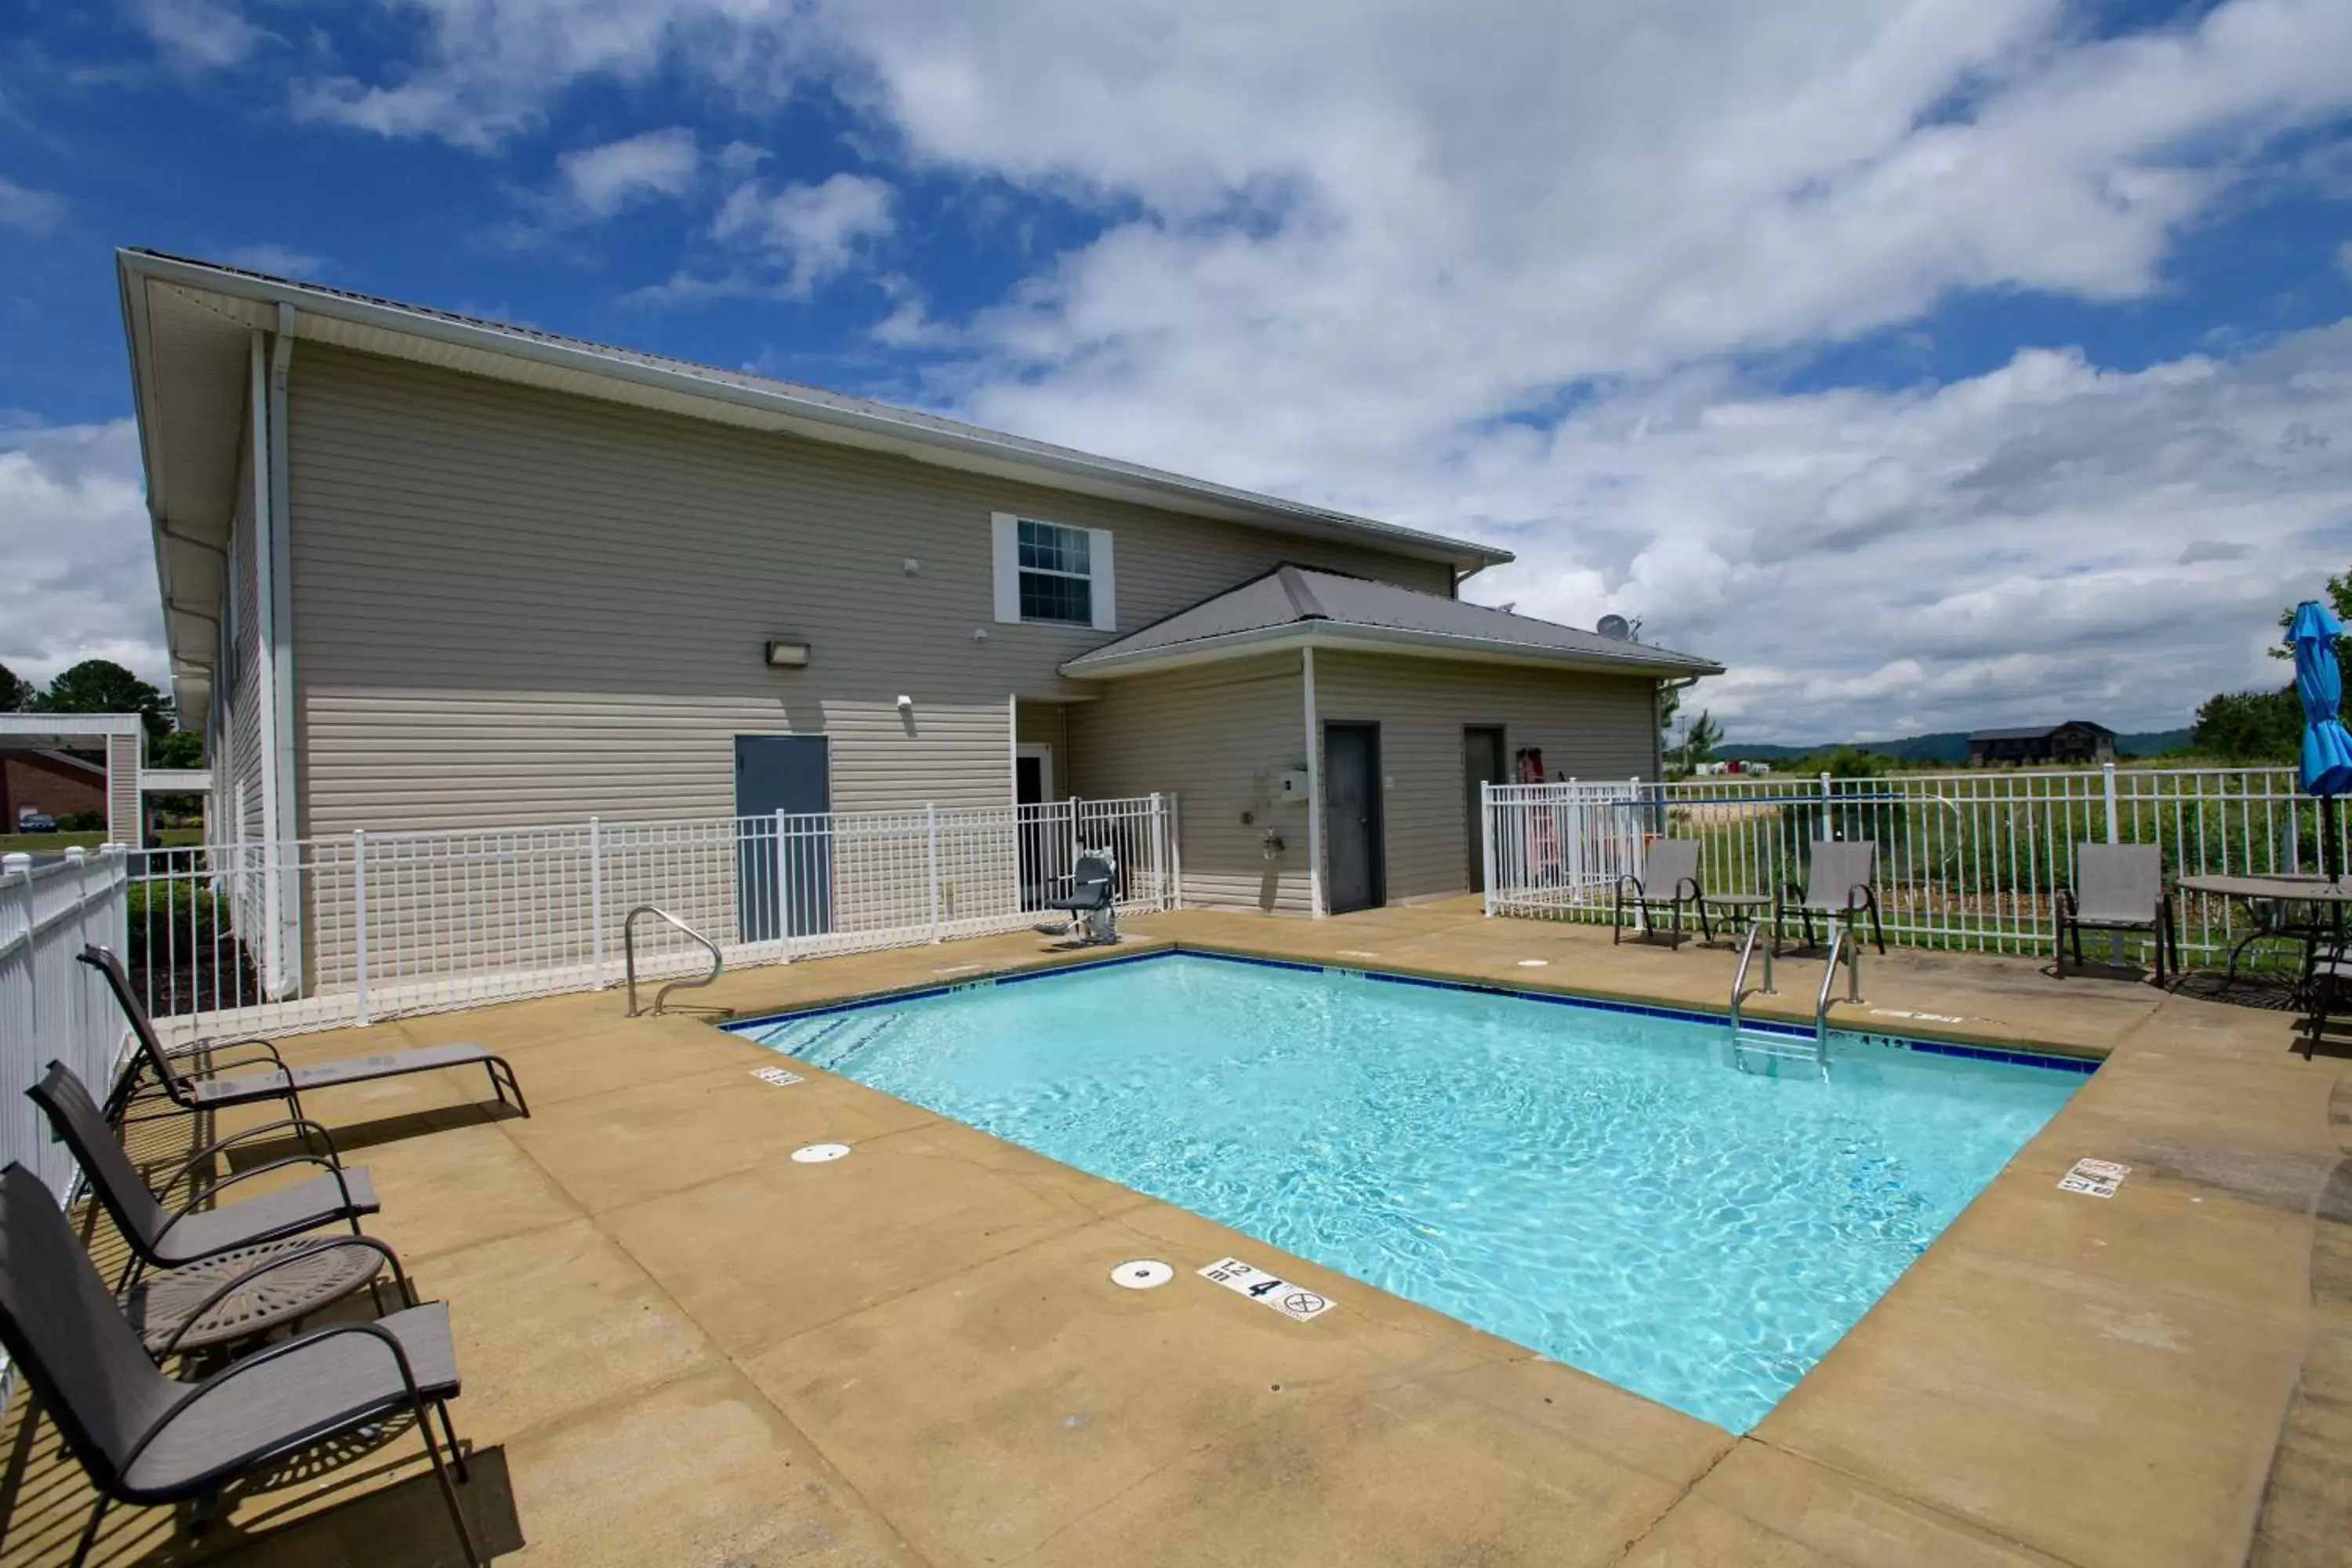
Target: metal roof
x: 1296, y: 604
x: 2037, y: 732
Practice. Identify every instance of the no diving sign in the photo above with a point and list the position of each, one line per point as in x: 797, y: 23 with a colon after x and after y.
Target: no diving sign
x: 1247, y: 1280
x: 2094, y: 1178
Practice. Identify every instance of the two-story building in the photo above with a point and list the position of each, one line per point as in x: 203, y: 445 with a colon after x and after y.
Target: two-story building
x: 422, y: 571
x: 2072, y: 743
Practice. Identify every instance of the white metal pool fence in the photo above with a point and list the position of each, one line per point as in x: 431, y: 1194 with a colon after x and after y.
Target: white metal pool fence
x: 358, y: 927
x: 51, y: 1008
x: 1967, y: 860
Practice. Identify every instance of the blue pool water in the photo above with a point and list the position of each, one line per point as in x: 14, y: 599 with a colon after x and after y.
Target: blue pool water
x: 1605, y: 1187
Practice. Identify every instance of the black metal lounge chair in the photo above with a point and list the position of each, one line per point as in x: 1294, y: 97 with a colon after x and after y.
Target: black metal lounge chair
x: 148, y: 1438
x: 1091, y: 902
x: 1669, y: 881
x: 229, y: 1272
x: 1841, y: 883
x: 2117, y: 886
x: 208, y: 1089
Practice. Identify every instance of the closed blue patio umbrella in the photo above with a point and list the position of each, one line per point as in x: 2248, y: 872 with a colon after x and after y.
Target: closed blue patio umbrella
x: 2326, y: 747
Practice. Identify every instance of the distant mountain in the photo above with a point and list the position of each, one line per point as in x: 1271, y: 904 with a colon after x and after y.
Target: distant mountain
x: 1945, y: 746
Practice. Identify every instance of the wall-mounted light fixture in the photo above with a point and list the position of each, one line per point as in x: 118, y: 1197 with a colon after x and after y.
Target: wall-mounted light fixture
x: 786, y: 654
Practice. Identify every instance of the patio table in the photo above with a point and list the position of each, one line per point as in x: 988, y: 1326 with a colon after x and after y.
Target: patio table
x: 1740, y: 910
x: 2269, y: 897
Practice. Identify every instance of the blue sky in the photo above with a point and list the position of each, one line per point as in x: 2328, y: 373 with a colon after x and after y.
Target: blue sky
x: 1932, y: 365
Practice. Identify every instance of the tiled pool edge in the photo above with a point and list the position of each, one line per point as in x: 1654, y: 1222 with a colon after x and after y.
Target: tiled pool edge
x: 2054, y: 1060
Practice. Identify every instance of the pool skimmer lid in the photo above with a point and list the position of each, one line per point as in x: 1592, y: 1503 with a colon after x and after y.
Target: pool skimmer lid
x: 818, y: 1154
x: 1141, y: 1274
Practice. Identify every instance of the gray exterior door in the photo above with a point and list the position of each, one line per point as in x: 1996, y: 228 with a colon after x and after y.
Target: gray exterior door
x: 783, y: 884
x: 1483, y: 755
x: 1351, y: 817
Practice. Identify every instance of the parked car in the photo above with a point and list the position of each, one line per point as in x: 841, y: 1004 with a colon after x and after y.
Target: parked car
x: 33, y: 819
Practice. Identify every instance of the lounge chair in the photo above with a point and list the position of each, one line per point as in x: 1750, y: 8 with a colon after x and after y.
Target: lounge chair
x: 1840, y: 884
x: 232, y: 1271
x: 2117, y: 886
x: 206, y: 1090
x: 1669, y: 881
x: 148, y: 1438
x: 1091, y: 902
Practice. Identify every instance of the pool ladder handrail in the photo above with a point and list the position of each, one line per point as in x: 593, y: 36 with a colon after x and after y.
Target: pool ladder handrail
x: 1838, y: 946
x: 629, y: 956
x: 1739, y: 979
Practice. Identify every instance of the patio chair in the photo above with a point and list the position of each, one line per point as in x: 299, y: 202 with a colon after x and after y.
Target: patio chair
x: 1841, y: 883
x: 147, y: 1438
x: 1091, y: 901
x: 209, y: 1091
x: 1669, y: 879
x: 2117, y: 886
x: 230, y: 1272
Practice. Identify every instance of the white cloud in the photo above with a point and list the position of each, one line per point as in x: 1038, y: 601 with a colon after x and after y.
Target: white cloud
x: 812, y: 233
x: 283, y: 260
x: 1363, y: 253
x: 2343, y: 258
x: 80, y: 582
x: 198, y: 33
x: 22, y: 207
x: 598, y: 181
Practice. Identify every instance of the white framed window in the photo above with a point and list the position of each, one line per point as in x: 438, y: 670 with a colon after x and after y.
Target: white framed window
x: 1049, y: 573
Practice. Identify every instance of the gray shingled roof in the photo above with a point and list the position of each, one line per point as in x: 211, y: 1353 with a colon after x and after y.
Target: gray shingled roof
x: 1296, y: 601
x: 2034, y: 731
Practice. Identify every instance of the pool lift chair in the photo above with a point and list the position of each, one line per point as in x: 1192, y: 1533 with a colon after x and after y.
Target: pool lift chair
x: 1090, y: 902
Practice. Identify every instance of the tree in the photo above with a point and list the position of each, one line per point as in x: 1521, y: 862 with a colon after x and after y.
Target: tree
x: 179, y: 749
x: 2249, y: 726
x: 102, y: 686
x: 1700, y: 739
x: 13, y: 693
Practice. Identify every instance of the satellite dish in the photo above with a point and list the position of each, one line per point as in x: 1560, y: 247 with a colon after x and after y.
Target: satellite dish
x: 1616, y: 628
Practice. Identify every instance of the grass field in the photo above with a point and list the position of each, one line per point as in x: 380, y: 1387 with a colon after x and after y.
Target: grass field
x: 58, y: 843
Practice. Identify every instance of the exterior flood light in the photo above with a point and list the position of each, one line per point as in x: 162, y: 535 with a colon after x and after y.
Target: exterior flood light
x: 788, y: 654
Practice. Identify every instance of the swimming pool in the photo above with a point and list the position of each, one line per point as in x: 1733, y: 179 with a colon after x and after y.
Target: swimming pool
x: 1600, y: 1185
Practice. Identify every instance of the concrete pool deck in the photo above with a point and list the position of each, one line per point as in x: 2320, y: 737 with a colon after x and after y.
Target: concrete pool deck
x: 678, y: 1347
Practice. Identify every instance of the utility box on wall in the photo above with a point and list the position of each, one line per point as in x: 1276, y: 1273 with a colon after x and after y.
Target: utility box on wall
x: 1290, y: 786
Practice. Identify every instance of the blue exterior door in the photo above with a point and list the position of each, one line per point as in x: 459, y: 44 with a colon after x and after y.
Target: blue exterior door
x: 783, y: 884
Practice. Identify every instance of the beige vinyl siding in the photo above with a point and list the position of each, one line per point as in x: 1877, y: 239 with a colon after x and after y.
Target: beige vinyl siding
x: 1587, y: 726
x: 517, y: 606
x: 1217, y: 735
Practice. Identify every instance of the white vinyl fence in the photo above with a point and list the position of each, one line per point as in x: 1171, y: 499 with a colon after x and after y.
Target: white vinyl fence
x: 51, y: 1008
x: 1967, y: 860
x: 371, y: 924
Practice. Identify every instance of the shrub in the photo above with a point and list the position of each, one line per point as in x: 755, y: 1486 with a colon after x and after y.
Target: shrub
x: 82, y: 821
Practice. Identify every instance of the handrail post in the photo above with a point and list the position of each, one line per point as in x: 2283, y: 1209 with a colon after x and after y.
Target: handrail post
x: 596, y: 900
x: 783, y: 901
x: 931, y: 827
x: 359, y: 924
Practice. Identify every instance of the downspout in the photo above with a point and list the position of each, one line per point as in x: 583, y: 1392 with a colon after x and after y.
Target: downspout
x: 265, y: 631
x: 1314, y: 789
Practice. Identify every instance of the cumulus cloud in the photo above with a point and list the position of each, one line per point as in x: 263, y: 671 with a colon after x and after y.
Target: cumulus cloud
x: 1508, y: 271
x: 80, y: 582
x: 598, y: 181
x: 809, y: 233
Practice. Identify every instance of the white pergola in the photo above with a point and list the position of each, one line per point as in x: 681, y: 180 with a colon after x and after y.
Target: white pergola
x: 118, y: 735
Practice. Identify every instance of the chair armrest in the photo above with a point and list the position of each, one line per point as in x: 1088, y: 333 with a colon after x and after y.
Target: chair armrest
x: 1630, y: 886
x: 2067, y: 904
x: 226, y: 1288
x: 342, y: 1185
x: 1687, y: 890
x: 217, y: 1145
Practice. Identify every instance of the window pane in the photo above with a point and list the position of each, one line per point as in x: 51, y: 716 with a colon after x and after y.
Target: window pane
x: 1045, y: 547
x: 1048, y: 598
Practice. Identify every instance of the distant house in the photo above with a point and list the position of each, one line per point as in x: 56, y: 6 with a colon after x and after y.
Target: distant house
x: 55, y: 783
x: 2075, y: 740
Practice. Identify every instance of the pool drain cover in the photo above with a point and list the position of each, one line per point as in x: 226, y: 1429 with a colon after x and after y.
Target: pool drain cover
x: 1141, y: 1274
x: 818, y: 1154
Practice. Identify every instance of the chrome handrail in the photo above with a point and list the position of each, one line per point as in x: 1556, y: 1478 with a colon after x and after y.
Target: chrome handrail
x: 629, y: 956
x: 1829, y: 979
x: 1740, y: 980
